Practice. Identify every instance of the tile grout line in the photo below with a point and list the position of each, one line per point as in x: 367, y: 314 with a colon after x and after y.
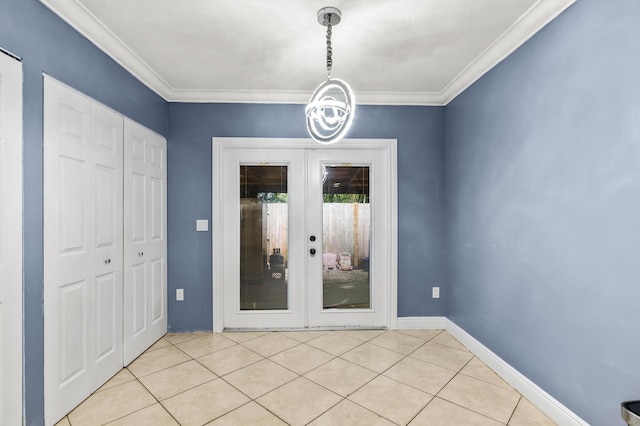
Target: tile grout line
x: 250, y: 399
x: 378, y: 374
x: 298, y: 344
x: 148, y: 390
x: 167, y: 368
x: 342, y: 398
x: 514, y: 409
x: 467, y: 408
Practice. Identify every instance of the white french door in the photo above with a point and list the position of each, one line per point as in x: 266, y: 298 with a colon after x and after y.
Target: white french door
x: 306, y: 235
x: 10, y: 240
x: 348, y: 210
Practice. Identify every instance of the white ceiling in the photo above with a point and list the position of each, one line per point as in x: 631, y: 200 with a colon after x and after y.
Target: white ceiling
x: 415, y: 52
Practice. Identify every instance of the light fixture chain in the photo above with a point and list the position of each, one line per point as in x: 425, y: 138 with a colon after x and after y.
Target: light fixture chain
x: 329, y: 51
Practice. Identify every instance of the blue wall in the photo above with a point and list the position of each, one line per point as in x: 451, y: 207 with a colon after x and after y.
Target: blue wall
x: 48, y: 45
x: 542, y: 163
x: 420, y: 134
x: 543, y: 208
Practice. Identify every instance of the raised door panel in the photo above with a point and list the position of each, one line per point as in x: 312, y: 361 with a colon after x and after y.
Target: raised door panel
x: 158, y: 292
x: 138, y: 187
x: 10, y: 241
x: 138, y: 283
x: 108, y: 336
x: 156, y: 232
x: 136, y: 274
x: 73, y: 332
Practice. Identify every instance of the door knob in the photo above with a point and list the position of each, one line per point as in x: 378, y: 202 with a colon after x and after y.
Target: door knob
x: 312, y: 251
x: 140, y: 253
x: 107, y: 261
x: 312, y: 238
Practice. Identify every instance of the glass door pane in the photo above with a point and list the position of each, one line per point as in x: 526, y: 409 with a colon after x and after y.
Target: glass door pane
x: 264, y: 237
x: 346, y: 229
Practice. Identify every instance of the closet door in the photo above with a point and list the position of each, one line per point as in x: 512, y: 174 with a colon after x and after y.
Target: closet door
x: 106, y: 127
x: 145, y: 249
x: 82, y: 247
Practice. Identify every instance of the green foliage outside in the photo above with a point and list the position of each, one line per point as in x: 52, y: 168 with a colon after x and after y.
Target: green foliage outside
x: 345, y: 198
x: 274, y: 197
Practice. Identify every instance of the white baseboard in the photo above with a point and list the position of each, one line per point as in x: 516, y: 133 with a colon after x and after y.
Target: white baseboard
x: 421, y: 323
x: 541, y: 399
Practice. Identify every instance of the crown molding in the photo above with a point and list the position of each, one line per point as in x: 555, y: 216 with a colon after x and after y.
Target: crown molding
x: 536, y: 18
x: 83, y: 21
x: 301, y: 97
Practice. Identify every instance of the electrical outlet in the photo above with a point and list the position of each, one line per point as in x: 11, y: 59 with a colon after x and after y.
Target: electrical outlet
x: 179, y: 294
x: 435, y: 292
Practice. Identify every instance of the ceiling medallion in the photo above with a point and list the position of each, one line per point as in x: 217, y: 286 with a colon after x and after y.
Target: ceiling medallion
x: 331, y: 108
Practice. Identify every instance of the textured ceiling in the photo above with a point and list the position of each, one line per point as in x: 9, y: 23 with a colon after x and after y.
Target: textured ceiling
x: 401, y: 51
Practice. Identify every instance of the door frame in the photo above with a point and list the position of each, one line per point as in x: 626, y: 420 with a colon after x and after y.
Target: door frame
x: 12, y: 210
x: 219, y: 145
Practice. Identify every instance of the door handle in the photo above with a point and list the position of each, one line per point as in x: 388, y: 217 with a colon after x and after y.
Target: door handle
x: 140, y: 253
x: 107, y: 261
x: 312, y: 251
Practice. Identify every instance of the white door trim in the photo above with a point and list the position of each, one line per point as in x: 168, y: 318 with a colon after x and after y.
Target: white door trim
x: 218, y: 147
x: 11, y: 259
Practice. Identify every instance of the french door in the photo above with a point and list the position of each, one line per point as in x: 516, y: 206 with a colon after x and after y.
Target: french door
x: 306, y: 235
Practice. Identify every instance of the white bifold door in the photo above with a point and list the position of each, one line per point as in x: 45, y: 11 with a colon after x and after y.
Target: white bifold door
x: 83, y: 247
x: 88, y: 287
x: 10, y: 241
x: 145, y: 248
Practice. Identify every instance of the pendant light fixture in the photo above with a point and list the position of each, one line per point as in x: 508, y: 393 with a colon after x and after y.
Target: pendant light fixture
x: 331, y: 108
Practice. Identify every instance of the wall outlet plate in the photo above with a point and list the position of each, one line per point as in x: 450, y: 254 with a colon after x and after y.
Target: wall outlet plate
x: 202, y: 225
x: 179, y: 294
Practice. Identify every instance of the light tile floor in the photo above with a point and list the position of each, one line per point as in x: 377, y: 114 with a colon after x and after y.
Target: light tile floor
x: 364, y: 377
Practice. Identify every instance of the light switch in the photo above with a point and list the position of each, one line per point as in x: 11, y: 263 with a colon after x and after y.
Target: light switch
x: 202, y: 225
x: 435, y: 292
